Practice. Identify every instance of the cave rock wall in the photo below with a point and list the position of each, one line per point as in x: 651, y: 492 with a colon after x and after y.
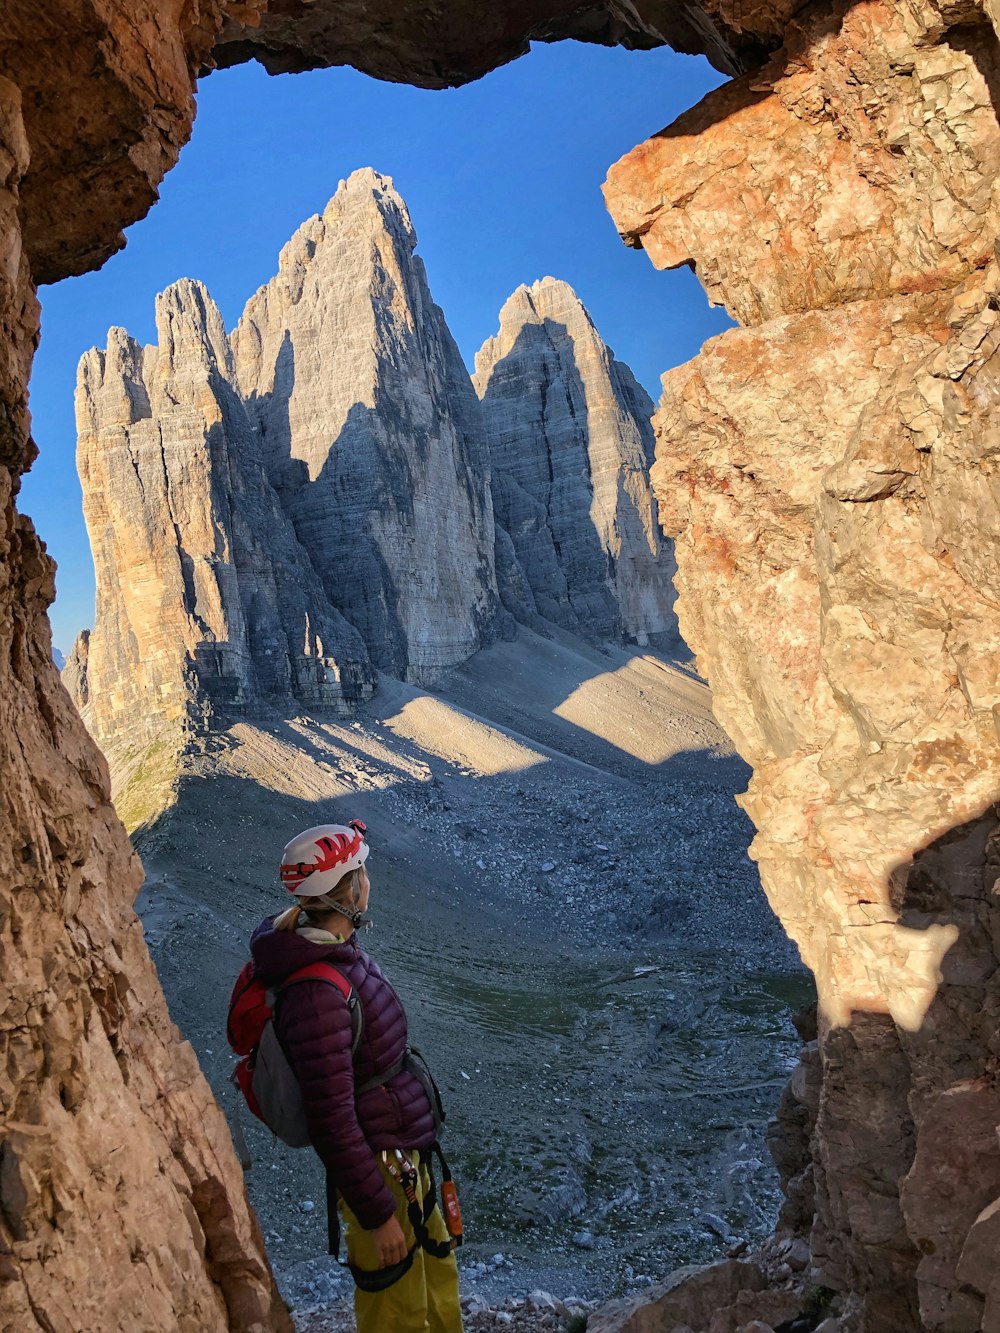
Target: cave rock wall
x: 829, y: 473
x: 122, y: 1205
x: 836, y: 461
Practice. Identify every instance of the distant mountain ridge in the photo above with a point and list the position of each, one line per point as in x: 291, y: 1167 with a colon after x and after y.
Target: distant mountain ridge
x: 279, y: 513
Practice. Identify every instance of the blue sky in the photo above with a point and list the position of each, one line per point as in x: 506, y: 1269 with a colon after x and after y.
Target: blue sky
x: 502, y: 179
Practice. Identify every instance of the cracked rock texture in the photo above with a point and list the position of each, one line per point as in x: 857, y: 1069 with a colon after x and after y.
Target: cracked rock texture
x: 122, y: 1205
x: 371, y: 433
x: 205, y: 599
x: 273, y: 513
x: 844, y: 187
x: 829, y: 474
x: 570, y: 440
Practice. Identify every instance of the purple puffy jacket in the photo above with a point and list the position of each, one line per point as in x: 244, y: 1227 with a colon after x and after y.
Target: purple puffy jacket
x: 314, y: 1027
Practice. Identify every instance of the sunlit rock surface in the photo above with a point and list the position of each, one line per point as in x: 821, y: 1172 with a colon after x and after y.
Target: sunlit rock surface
x: 107, y: 100
x: 571, y: 444
x: 122, y: 1205
x: 829, y: 476
x: 205, y: 599
x: 371, y: 432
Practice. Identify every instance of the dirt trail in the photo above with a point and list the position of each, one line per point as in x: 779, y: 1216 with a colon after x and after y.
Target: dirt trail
x: 563, y: 898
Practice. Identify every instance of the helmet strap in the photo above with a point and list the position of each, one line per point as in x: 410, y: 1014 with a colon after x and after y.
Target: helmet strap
x: 356, y: 918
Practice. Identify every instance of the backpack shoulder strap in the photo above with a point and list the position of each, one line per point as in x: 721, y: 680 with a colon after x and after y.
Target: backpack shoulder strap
x: 332, y: 975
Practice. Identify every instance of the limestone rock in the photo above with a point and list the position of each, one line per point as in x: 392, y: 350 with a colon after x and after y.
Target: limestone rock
x: 977, y: 1267
x: 789, y: 1140
x: 860, y: 162
x: 205, y: 599
x: 122, y: 1205
x: 391, y: 41
x: 74, y: 672
x: 954, y: 1178
x: 829, y: 476
x: 251, y: 500
x: 886, y: 102
x: 721, y: 1295
x: 371, y: 432
x: 571, y: 444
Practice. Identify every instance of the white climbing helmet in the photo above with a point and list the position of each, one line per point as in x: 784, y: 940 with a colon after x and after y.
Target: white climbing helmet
x: 318, y: 859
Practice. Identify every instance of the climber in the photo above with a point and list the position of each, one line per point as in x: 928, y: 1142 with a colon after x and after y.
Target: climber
x: 361, y: 1108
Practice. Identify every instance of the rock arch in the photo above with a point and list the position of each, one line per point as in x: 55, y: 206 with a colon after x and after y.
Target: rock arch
x: 829, y: 473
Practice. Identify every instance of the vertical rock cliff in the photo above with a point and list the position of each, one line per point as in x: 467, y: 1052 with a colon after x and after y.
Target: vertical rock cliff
x: 855, y: 170
x: 205, y: 599
x: 571, y: 445
x: 273, y: 513
x: 122, y: 1204
x: 370, y: 431
x: 829, y: 473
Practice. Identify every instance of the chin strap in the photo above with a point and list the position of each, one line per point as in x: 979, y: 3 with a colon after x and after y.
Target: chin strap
x: 359, y: 920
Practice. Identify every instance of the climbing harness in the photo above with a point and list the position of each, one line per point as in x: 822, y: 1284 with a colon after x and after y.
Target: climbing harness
x: 400, y: 1166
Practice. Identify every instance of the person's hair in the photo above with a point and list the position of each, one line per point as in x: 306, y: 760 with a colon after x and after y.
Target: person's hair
x: 313, y: 911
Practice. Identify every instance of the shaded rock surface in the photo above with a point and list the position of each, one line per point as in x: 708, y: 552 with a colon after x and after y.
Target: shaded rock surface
x: 371, y: 432
x: 571, y: 445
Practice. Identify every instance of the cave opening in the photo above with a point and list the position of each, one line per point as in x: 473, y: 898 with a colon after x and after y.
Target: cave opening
x: 671, y: 1012
x: 831, y: 492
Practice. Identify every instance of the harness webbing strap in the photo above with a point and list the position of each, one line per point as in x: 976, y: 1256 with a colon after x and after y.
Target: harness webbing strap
x: 387, y: 1074
x: 379, y: 1279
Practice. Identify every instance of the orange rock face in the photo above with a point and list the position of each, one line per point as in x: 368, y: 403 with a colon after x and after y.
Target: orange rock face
x: 859, y: 162
x: 121, y: 1203
x: 829, y: 475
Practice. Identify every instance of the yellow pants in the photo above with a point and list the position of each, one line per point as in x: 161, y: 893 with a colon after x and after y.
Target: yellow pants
x: 424, y: 1300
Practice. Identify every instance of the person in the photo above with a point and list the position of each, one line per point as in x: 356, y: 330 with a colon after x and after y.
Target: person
x: 357, y: 1121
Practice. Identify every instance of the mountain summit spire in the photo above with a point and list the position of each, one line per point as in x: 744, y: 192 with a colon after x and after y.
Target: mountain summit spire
x: 278, y: 513
x: 571, y: 446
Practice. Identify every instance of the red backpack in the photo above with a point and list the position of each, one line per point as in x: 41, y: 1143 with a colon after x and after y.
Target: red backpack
x: 264, y: 1075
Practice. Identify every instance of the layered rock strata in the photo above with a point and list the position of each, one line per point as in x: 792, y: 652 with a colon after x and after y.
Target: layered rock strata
x: 829, y: 474
x: 205, y: 599
x: 107, y: 104
x: 122, y: 1205
x: 370, y: 430
x: 571, y: 445
x: 274, y: 514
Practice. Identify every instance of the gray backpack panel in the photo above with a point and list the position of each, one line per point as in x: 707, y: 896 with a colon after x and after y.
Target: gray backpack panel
x: 277, y: 1091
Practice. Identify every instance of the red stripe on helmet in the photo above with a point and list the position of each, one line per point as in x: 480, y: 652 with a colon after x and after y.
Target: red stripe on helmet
x: 333, y: 851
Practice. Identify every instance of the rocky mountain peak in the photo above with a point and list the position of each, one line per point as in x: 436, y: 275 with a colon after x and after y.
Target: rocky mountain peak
x: 367, y: 190
x: 191, y: 334
x: 370, y: 430
x: 276, y: 512
x: 571, y: 444
x: 545, y: 298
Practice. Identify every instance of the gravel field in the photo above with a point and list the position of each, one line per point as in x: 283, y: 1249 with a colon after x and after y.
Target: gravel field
x: 563, y: 898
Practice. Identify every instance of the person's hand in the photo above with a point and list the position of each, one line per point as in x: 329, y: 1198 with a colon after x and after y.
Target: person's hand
x: 390, y: 1243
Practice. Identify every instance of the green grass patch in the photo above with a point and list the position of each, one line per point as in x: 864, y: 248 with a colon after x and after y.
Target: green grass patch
x: 144, y: 780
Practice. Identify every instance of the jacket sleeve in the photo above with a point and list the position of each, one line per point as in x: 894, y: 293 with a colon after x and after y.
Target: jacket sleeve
x: 314, y: 1025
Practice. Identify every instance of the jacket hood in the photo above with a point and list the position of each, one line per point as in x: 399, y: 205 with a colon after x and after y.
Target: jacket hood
x: 276, y: 953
